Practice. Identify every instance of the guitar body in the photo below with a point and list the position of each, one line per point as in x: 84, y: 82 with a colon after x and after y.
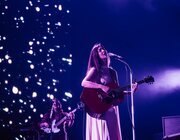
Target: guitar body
x: 54, y: 127
x: 46, y: 129
x: 97, y: 101
x: 54, y: 124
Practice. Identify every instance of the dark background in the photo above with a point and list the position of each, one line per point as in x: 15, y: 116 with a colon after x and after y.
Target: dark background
x: 144, y: 32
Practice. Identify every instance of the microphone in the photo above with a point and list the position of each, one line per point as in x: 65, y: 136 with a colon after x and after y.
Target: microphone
x: 115, y: 55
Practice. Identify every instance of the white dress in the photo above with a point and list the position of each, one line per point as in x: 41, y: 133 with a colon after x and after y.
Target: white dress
x: 108, y: 126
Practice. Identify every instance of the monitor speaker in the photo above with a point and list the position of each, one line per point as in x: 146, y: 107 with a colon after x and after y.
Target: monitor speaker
x: 171, y: 127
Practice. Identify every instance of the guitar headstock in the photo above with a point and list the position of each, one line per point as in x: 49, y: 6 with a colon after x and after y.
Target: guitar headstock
x: 149, y: 79
x: 80, y: 105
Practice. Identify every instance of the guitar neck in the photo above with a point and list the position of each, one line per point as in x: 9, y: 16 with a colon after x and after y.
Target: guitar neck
x: 63, y: 119
x: 129, y: 86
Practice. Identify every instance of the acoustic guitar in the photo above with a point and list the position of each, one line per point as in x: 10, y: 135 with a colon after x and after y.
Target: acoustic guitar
x: 97, y: 101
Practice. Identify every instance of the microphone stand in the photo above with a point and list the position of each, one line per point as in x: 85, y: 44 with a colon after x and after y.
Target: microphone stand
x: 132, y: 98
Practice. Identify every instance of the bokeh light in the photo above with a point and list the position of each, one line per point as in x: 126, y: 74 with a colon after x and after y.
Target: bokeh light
x: 35, y: 59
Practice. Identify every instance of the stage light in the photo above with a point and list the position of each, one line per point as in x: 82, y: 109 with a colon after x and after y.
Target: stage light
x: 10, y: 122
x: 6, y: 109
x: 41, y: 115
x: 34, y: 94
x: 166, y: 82
x: 21, y: 18
x: 7, y: 56
x: 34, y: 110
x: 15, y: 90
x: 30, y: 2
x: 69, y: 108
x: 20, y: 110
x: 6, y: 81
x: 65, y: 100
x: 31, y: 44
x: 26, y: 79
x: 20, y: 100
x: 30, y: 52
x: 37, y: 9
x: 58, y: 24
x: 10, y: 61
x: 19, y: 92
x: 60, y: 7
x: 51, y: 96
x: 6, y: 7
x: 32, y: 66
x: 32, y: 106
x: 68, y: 94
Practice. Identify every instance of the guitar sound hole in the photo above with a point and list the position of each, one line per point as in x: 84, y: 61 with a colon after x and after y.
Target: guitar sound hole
x: 108, y: 100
